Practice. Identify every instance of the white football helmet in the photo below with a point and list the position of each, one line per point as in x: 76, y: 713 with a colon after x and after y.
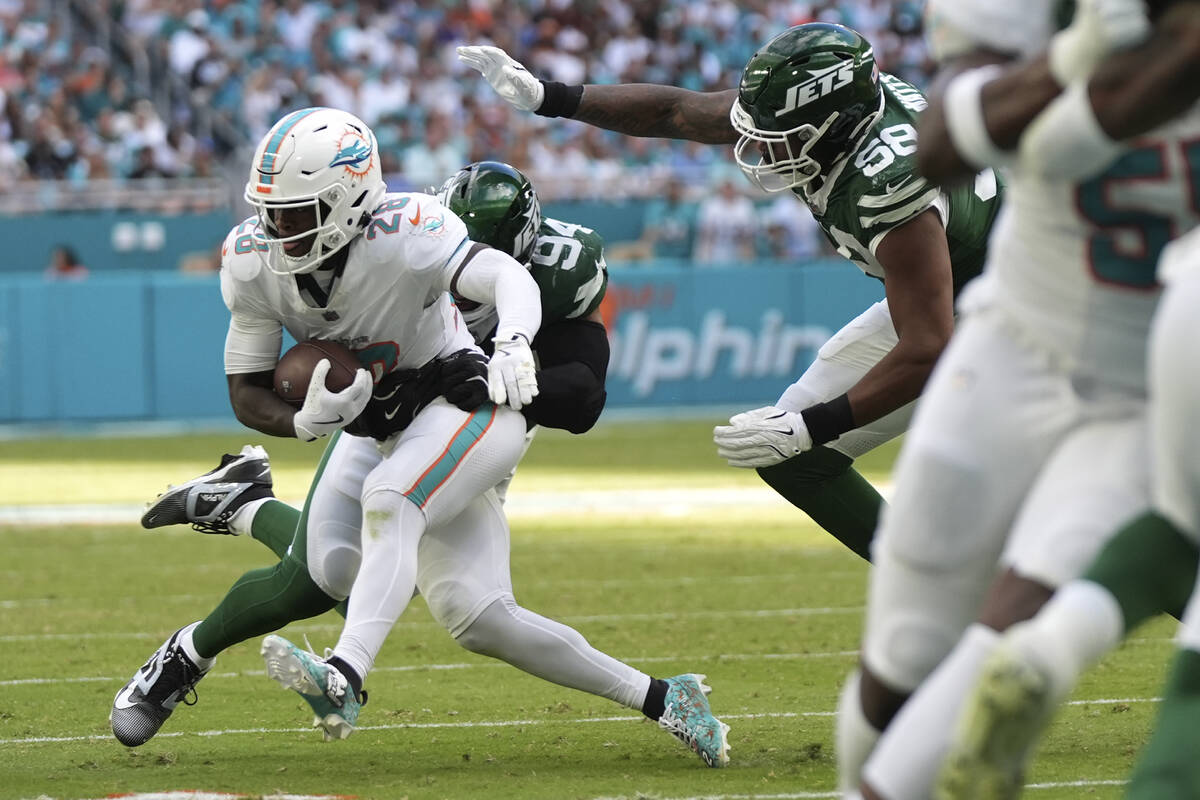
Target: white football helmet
x: 322, y: 166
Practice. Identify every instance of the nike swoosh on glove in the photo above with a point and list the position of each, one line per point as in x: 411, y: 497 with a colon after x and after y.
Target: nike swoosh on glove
x: 324, y: 411
x: 507, y: 76
x: 762, y: 437
x: 512, y: 375
x: 465, y: 379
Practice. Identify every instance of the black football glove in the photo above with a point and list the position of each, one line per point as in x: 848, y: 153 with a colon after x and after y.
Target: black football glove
x: 464, y: 379
x: 397, y: 399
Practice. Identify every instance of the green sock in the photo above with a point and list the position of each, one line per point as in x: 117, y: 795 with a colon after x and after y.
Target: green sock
x: 275, y: 525
x: 1168, y: 768
x: 823, y: 484
x: 1149, y: 567
x: 261, y: 601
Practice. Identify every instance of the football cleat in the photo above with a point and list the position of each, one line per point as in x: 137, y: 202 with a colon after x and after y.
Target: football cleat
x: 324, y: 688
x: 143, y: 704
x: 689, y: 719
x: 999, y: 723
x: 208, y: 501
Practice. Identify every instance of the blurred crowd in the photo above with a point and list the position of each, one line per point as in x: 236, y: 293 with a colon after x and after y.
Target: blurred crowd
x: 74, y: 109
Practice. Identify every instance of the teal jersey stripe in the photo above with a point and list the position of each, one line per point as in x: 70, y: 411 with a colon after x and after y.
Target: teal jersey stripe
x: 463, y: 440
x: 285, y: 125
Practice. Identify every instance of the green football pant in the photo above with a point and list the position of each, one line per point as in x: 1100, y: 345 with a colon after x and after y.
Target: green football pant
x: 824, y: 484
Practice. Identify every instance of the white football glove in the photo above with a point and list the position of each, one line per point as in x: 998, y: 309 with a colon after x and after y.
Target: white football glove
x: 507, y: 76
x: 1099, y: 28
x: 762, y: 437
x: 512, y: 377
x: 324, y: 411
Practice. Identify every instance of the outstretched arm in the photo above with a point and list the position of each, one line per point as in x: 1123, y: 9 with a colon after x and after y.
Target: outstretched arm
x: 635, y: 109
x: 646, y: 109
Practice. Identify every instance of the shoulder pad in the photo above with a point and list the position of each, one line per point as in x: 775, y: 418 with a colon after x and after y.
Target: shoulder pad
x: 241, y: 252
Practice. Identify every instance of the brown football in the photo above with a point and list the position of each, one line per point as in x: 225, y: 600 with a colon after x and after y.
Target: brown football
x: 295, y: 368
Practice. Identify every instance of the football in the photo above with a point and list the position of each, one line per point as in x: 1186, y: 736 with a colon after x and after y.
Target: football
x: 295, y: 368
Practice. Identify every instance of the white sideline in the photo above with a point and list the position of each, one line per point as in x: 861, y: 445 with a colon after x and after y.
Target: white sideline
x: 510, y: 723
x: 664, y: 502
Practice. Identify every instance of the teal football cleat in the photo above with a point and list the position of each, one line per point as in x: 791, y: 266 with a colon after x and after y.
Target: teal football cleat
x: 689, y: 719
x: 335, y: 708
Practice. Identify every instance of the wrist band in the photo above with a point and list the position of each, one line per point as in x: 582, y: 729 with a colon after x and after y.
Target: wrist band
x: 963, y: 109
x: 828, y: 421
x: 1065, y: 141
x: 560, y: 100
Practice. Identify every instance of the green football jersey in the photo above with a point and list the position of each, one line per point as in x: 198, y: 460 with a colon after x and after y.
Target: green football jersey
x: 568, y: 266
x: 877, y: 189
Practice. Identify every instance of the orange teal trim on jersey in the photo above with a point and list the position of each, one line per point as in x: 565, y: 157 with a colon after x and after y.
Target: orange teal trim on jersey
x: 466, y: 437
x: 272, y: 149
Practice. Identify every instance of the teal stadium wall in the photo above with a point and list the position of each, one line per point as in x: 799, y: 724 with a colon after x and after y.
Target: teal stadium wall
x: 147, y: 345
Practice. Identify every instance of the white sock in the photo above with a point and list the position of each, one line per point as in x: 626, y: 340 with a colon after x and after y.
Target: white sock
x: 855, y: 737
x: 386, y: 580
x: 905, y: 764
x: 189, y: 648
x: 1078, y: 627
x: 243, y: 519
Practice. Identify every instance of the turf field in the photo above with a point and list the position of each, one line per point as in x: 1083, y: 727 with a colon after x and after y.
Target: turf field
x: 696, y: 569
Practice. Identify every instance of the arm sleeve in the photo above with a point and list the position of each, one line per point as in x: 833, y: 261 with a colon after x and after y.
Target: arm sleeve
x: 573, y: 356
x: 489, y: 276
x: 252, y: 344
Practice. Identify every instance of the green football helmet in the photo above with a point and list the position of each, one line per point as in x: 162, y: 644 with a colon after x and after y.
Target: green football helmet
x: 806, y: 100
x: 498, y: 204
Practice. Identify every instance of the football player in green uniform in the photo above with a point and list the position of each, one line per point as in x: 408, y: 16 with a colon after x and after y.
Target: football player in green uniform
x: 815, y: 116
x: 500, y: 207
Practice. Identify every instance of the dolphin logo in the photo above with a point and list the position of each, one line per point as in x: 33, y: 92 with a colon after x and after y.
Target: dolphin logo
x: 352, y: 155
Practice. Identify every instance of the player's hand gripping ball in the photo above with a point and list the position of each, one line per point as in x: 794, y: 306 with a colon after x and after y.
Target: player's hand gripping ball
x: 324, y: 379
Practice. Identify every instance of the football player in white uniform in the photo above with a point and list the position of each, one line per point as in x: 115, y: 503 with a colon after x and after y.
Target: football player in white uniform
x: 411, y: 506
x: 1030, y: 442
x: 1149, y: 566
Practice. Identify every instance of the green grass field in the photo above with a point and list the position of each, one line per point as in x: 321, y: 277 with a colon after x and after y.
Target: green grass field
x: 758, y: 598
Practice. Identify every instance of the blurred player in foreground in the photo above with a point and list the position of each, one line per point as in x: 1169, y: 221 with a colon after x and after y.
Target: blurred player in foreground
x: 1150, y: 565
x: 1030, y: 444
x: 411, y: 506
x: 816, y: 117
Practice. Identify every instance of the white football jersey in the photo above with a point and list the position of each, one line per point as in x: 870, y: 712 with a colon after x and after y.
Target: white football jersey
x: 1015, y: 27
x: 1075, y: 263
x: 390, y: 305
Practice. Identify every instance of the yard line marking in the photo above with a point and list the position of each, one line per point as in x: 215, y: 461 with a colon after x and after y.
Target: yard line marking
x: 489, y: 664
x: 201, y: 794
x: 666, y: 616
x: 819, y: 795
x: 511, y: 723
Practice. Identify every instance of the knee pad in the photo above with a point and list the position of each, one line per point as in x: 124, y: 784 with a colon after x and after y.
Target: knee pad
x: 487, y: 628
x: 334, y: 556
x: 915, y: 617
x: 456, y: 605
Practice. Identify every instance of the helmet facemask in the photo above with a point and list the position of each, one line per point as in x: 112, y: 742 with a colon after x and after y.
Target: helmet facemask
x: 314, y: 181
x: 807, y: 100
x: 776, y: 161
